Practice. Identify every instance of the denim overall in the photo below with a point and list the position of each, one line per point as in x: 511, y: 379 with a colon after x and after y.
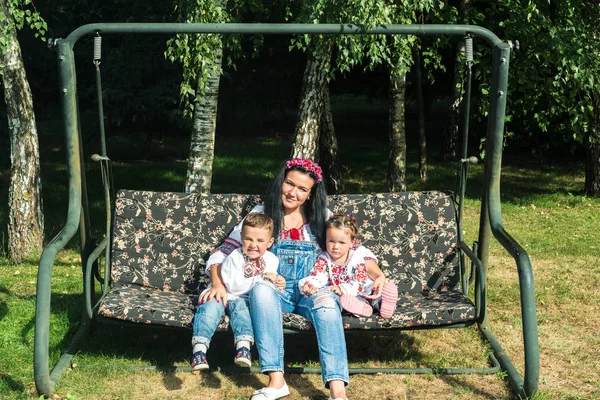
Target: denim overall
x: 296, y: 259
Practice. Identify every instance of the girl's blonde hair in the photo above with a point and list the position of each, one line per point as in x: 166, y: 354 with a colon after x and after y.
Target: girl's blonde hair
x: 343, y: 222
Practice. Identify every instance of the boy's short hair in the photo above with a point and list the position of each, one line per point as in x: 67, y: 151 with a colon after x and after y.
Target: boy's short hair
x: 258, y: 220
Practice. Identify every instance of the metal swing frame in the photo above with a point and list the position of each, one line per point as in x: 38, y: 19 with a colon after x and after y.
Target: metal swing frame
x: 47, y: 380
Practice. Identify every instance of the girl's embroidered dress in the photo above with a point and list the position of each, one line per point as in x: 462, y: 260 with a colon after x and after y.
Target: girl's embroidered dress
x: 351, y: 277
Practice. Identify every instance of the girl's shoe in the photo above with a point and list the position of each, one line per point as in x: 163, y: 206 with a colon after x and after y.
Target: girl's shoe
x: 355, y: 306
x: 389, y: 298
x: 243, y: 357
x: 199, y: 361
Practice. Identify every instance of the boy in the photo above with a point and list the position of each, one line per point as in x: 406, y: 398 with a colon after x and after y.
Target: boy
x: 241, y: 270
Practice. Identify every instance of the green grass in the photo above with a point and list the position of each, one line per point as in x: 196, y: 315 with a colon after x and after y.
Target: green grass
x: 543, y: 208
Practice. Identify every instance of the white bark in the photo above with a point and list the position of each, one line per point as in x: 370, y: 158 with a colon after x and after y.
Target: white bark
x: 396, y: 180
x: 202, y: 146
x: 25, y: 218
x: 310, y: 108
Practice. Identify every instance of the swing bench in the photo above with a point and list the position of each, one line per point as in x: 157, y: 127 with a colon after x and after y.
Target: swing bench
x: 157, y: 243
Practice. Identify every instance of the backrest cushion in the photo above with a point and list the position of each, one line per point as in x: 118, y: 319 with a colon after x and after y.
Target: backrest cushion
x: 163, y: 239
x: 413, y: 234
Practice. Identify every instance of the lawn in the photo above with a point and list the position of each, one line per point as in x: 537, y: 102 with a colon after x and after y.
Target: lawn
x: 543, y: 209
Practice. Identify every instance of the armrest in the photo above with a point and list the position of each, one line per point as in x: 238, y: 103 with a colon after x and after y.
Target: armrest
x: 88, y: 276
x: 480, y: 282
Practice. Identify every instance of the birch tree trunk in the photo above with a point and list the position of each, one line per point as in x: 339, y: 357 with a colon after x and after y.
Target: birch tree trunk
x: 25, y: 218
x: 592, y: 155
x: 420, y: 116
x: 204, y: 125
x: 330, y: 160
x: 396, y: 180
x: 310, y: 109
x: 451, y: 127
x: 450, y: 133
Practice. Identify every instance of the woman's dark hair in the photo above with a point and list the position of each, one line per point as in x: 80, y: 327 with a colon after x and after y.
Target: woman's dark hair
x: 314, y: 208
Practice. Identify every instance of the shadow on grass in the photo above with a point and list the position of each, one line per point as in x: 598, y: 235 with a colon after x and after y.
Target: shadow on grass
x: 118, y: 346
x: 13, y: 386
x: 463, y: 386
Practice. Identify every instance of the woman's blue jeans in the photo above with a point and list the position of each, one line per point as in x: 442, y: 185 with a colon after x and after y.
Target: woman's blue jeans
x: 209, y: 314
x: 296, y: 259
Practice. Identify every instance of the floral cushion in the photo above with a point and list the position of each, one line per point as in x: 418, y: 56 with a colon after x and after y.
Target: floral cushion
x: 161, y: 242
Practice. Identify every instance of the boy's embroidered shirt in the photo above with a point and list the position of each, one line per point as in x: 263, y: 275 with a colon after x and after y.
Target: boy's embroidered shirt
x: 240, y: 274
x: 234, y: 240
x: 253, y: 268
x: 351, y: 277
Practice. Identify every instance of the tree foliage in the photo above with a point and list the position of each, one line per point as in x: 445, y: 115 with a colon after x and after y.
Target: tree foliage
x: 554, y: 75
x: 23, y: 13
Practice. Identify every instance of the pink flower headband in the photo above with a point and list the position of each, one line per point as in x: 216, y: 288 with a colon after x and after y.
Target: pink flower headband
x: 307, y: 165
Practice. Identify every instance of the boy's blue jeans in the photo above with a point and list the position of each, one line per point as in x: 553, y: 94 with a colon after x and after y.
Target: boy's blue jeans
x: 209, y: 314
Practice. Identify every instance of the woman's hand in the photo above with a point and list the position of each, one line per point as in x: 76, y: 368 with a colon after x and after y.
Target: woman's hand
x: 377, y: 287
x: 218, y: 292
x: 378, y: 277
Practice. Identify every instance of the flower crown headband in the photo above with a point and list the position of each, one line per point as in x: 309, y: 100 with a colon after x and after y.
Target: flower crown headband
x: 307, y: 165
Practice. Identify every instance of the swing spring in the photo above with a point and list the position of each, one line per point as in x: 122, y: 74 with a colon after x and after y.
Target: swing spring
x: 97, y: 48
x: 469, y: 49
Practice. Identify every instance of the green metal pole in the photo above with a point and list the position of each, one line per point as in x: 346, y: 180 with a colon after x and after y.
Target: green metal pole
x: 45, y: 383
x: 464, y: 163
x: 495, y: 137
x: 285, y: 29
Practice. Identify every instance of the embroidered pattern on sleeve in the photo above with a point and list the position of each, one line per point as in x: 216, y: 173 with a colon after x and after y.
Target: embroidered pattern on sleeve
x: 228, y: 246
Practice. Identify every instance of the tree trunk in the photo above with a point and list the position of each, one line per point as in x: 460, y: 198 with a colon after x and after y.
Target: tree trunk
x: 451, y: 127
x: 310, y: 109
x: 330, y: 160
x: 25, y: 218
x: 420, y: 116
x: 204, y: 125
x: 592, y: 155
x: 396, y: 180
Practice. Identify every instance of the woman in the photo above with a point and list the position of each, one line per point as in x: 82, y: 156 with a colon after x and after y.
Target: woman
x: 296, y: 200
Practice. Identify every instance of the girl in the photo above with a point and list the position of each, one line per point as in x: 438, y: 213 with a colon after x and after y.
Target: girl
x: 343, y: 270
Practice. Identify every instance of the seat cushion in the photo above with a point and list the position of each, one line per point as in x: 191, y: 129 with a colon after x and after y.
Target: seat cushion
x: 145, y: 305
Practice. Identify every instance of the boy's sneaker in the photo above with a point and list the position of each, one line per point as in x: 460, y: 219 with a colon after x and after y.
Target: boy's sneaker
x: 199, y: 361
x: 355, y: 306
x: 243, y: 357
x: 389, y: 298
